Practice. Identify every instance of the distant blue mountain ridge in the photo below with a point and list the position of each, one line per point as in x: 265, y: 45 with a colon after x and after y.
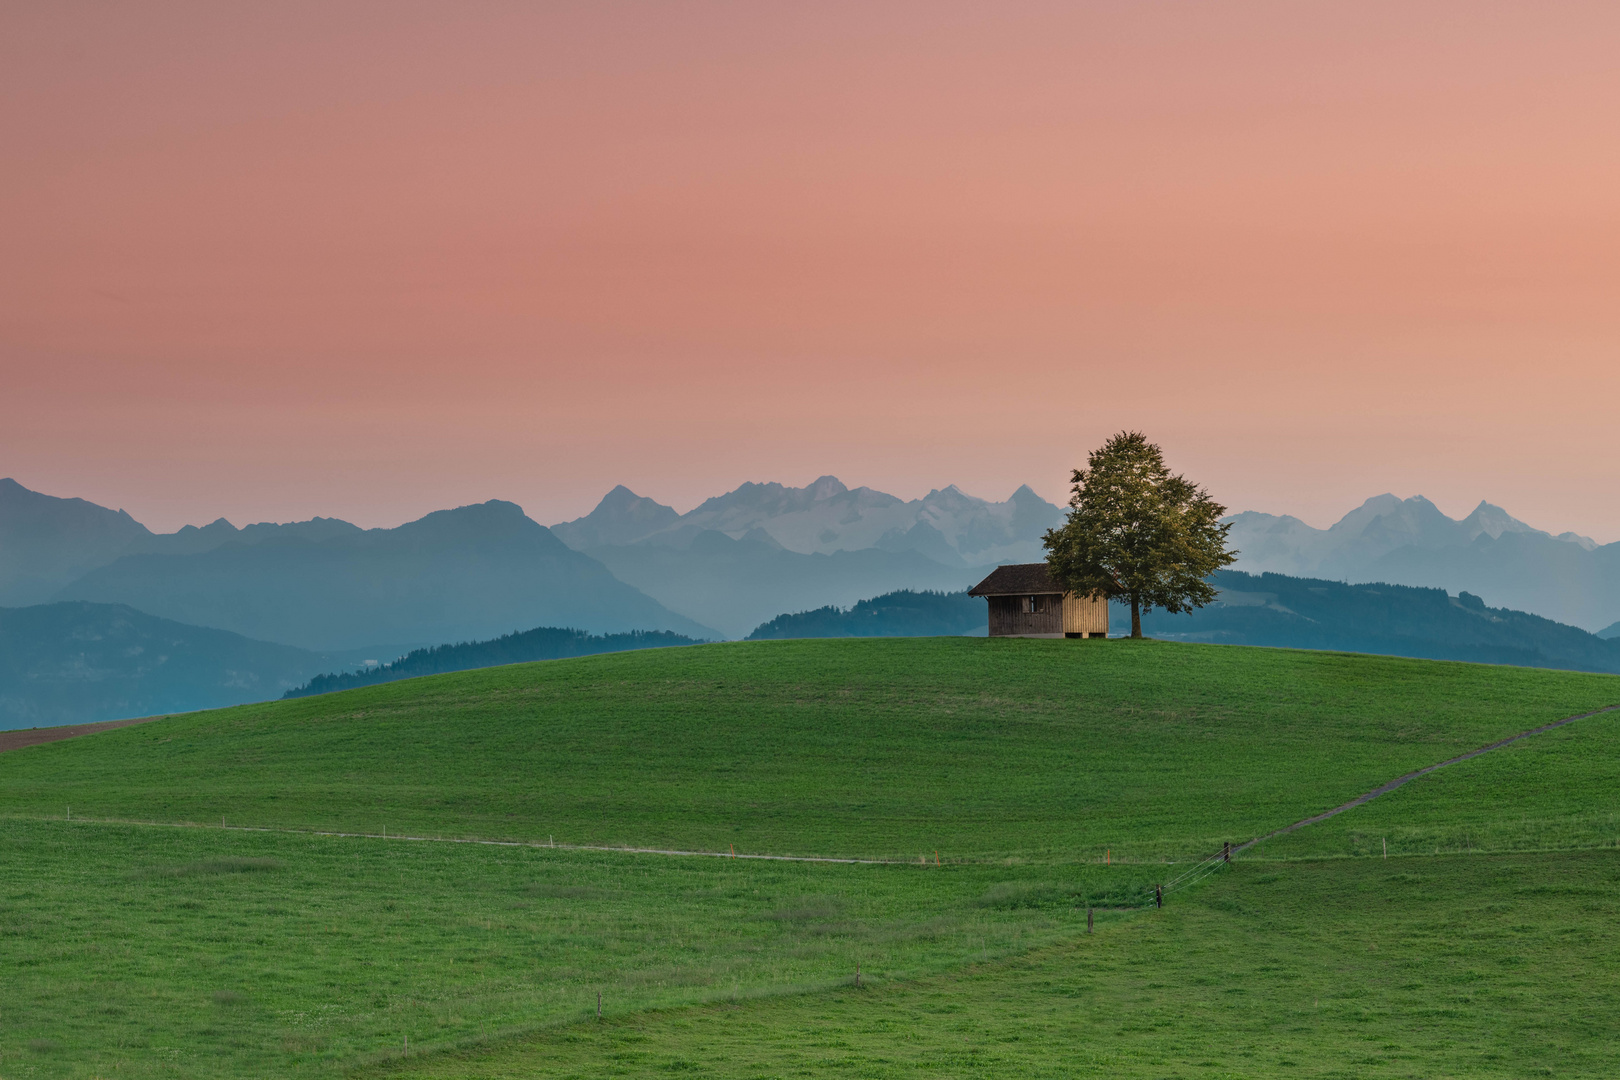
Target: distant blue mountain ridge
x: 1568, y: 578
x: 471, y: 573
x: 719, y: 570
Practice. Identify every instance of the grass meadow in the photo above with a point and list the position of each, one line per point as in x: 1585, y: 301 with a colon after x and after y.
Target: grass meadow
x: 1456, y: 966
x: 1044, y: 750
x: 142, y: 951
x: 141, y: 939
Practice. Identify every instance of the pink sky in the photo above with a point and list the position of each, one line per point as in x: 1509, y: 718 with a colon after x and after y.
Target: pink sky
x: 370, y: 260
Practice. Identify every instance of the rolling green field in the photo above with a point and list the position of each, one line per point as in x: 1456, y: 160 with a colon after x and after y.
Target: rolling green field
x: 1048, y: 750
x: 151, y: 951
x: 1483, y: 966
x: 181, y: 949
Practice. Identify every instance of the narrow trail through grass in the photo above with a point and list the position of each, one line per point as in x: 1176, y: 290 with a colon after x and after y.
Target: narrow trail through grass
x: 1402, y: 781
x: 553, y: 846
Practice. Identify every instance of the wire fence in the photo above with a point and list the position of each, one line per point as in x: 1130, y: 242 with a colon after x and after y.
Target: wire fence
x: 1210, y: 865
x: 1186, y: 879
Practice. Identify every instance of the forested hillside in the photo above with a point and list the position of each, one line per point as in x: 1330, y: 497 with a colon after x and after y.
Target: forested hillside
x: 542, y: 643
x: 897, y: 614
x: 1398, y: 620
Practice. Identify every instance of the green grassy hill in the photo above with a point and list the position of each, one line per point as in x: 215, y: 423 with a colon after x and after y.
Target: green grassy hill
x: 154, y: 950
x: 1053, y: 750
x: 1484, y: 966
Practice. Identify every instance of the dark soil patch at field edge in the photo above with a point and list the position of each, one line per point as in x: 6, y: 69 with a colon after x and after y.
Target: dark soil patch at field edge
x: 16, y: 740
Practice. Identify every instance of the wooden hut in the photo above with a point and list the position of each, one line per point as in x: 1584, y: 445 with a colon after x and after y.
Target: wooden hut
x: 1026, y: 602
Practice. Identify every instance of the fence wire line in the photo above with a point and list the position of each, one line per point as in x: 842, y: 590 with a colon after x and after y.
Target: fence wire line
x: 501, y: 843
x: 1186, y: 879
x: 1195, y: 875
x: 1208, y: 866
x: 1400, y: 781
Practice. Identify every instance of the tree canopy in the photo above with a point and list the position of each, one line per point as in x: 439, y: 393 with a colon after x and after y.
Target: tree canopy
x: 1136, y: 530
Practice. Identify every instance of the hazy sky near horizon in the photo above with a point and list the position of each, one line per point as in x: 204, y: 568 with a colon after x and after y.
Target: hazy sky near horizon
x: 371, y: 260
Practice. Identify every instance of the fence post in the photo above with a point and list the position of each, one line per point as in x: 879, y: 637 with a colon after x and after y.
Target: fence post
x: 1226, y: 851
x: 1088, y: 920
x: 1158, y: 894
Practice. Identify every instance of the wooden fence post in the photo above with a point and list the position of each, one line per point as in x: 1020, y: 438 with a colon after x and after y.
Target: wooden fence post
x: 1158, y: 894
x: 1088, y: 920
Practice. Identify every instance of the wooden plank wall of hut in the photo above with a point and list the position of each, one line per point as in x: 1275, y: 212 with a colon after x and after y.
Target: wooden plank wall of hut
x: 1009, y: 615
x: 1085, y: 615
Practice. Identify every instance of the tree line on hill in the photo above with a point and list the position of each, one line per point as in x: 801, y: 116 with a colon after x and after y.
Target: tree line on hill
x: 541, y: 643
x: 903, y: 613
x: 1397, y: 620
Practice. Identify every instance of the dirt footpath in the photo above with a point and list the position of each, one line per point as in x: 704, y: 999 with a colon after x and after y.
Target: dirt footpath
x: 16, y: 740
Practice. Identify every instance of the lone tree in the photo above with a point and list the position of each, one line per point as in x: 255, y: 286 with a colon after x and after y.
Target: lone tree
x: 1136, y: 529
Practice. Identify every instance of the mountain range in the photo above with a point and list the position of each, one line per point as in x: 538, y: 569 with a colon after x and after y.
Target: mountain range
x: 745, y: 557
x: 112, y: 619
x: 455, y: 575
x: 719, y: 570
x: 48, y: 542
x: 946, y: 525
x: 476, y: 572
x: 471, y: 573
x: 1567, y: 578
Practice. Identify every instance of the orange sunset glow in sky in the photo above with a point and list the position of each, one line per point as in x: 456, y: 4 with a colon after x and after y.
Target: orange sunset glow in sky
x: 371, y: 260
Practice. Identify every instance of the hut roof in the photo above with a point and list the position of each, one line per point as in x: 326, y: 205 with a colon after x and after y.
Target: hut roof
x: 1020, y: 579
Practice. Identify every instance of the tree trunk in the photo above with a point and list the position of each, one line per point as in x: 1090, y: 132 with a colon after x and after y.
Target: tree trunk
x: 1136, y: 616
